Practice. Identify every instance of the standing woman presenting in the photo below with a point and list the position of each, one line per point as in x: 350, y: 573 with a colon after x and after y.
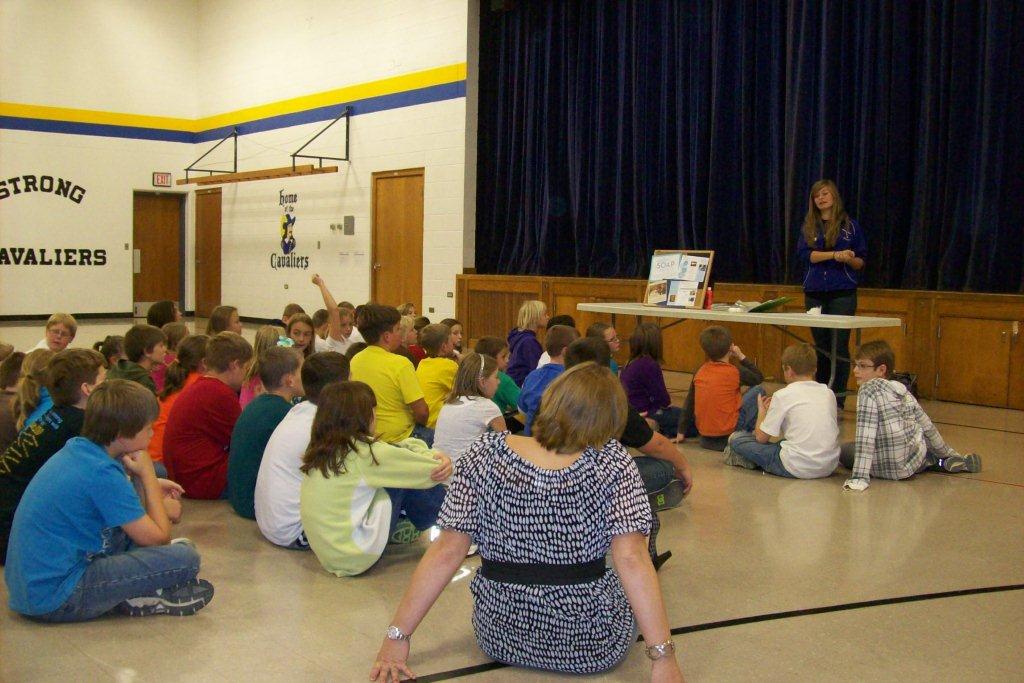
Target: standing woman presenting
x: 834, y: 248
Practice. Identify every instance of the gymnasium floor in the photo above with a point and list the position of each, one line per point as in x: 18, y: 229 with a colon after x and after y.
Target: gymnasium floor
x: 767, y: 582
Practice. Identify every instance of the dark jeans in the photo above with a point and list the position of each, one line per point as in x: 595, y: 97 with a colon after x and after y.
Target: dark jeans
x: 656, y: 474
x: 667, y: 419
x: 424, y: 434
x: 843, y: 302
x: 421, y: 506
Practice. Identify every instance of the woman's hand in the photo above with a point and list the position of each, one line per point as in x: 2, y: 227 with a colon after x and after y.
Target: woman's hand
x: 666, y: 670
x: 391, y: 662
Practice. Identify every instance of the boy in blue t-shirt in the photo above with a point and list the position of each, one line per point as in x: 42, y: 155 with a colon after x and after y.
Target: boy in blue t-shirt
x: 83, y: 543
x: 555, y: 343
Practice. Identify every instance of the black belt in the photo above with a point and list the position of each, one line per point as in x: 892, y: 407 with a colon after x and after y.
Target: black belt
x: 537, y: 573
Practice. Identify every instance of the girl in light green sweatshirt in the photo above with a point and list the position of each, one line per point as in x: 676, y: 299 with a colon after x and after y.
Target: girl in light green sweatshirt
x: 356, y: 486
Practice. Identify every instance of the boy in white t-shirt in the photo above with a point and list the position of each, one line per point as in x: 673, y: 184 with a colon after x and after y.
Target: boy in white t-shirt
x: 278, y: 484
x: 797, y: 434
x: 341, y: 331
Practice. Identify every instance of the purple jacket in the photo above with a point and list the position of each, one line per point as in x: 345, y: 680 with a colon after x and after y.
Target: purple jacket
x: 645, y: 385
x: 523, y: 353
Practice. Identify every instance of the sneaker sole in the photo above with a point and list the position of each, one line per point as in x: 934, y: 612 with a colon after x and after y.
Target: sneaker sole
x: 156, y: 605
x: 968, y: 463
x: 404, y: 536
x: 667, y: 498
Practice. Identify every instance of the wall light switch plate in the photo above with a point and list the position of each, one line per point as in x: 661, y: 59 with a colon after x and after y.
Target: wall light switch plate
x: 349, y: 225
x: 430, y: 310
x: 450, y: 295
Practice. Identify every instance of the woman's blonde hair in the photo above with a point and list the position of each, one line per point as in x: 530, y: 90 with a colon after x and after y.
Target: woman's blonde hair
x: 813, y: 224
x: 584, y: 406
x: 473, y: 369
x: 33, y: 378
x: 530, y: 315
x: 266, y: 338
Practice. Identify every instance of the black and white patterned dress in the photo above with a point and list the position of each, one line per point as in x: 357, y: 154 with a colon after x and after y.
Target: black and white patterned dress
x: 518, y: 512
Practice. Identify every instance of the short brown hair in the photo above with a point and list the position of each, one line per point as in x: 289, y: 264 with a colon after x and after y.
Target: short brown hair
x: 68, y: 371
x: 290, y: 310
x: 275, y: 363
x: 588, y: 349
x: 140, y: 340
x: 321, y: 369
x: 559, y: 337
x: 597, y: 330
x: 716, y: 341
x: 10, y: 368
x: 320, y: 318
x: 65, y: 319
x: 117, y: 408
x: 5, y: 350
x: 420, y: 322
x: 584, y: 406
x: 802, y: 359
x: 880, y: 353
x: 174, y: 332
x: 490, y: 346
x: 433, y: 337
x: 646, y: 341
x: 373, y: 320
x: 219, y: 320
x: 224, y: 348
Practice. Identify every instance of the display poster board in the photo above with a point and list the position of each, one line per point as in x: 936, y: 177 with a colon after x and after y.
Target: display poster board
x: 679, y: 279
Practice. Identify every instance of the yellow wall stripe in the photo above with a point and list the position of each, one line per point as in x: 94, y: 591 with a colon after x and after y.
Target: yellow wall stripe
x: 385, y: 86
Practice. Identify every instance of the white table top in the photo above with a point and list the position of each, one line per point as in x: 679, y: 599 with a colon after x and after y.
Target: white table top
x: 839, y: 322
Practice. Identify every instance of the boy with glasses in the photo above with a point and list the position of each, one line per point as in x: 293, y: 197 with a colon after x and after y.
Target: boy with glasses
x: 60, y: 331
x: 895, y: 438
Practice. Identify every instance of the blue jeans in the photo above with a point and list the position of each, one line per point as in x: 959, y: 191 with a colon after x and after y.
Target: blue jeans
x: 421, y: 506
x: 425, y: 434
x: 667, y: 419
x: 748, y: 409
x: 655, y: 473
x: 764, y: 455
x: 123, y: 571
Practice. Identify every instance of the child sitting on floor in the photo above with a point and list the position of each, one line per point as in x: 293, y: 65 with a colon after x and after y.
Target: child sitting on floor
x: 199, y: 425
x: 111, y: 348
x: 340, y: 332
x: 173, y: 333
x: 278, y: 479
x: 558, y: 338
x: 507, y: 394
x: 436, y: 372
x: 468, y: 411
x: 267, y: 337
x: 715, y: 407
x: 356, y: 486
x: 279, y: 370
x: 644, y: 382
x: 564, y: 320
x: 524, y: 348
x: 455, y: 327
x: 83, y: 543
x: 10, y: 369
x: 144, y: 348
x: 72, y: 375
x: 415, y: 349
x: 895, y: 439
x: 796, y: 434
x: 607, y: 333
x: 33, y: 398
x: 61, y: 329
x: 187, y: 367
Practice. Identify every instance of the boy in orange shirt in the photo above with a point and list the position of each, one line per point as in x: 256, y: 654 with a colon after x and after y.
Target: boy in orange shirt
x: 715, y: 406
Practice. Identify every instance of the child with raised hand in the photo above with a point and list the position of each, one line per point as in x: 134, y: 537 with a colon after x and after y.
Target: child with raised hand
x: 198, y: 432
x: 188, y: 366
x: 71, y: 376
x: 436, y: 372
x: 644, y: 382
x: 144, y: 347
x: 524, y: 348
x: 33, y: 398
x: 83, y: 543
x: 355, y: 486
x: 341, y: 331
x: 174, y: 332
x: 267, y: 337
x: 796, y: 434
x: 469, y: 410
x: 716, y: 406
x: 895, y: 438
x: 281, y: 383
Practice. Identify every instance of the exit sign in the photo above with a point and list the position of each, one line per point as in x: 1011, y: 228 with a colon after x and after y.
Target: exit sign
x: 161, y: 179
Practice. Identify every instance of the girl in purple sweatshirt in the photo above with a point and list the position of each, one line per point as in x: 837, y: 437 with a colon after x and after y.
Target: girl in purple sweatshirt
x: 643, y: 381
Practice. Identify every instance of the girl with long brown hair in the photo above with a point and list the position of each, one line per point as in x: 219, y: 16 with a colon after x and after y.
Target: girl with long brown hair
x: 834, y: 247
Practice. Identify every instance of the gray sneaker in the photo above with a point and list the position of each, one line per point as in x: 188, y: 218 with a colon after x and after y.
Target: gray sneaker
x: 182, y: 600
x: 961, y: 463
x: 731, y: 457
x: 667, y: 497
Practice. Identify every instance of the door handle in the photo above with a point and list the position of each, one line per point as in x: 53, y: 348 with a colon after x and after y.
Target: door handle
x: 136, y: 261
x: 376, y: 266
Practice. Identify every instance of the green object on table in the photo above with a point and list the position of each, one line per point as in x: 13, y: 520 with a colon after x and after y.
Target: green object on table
x: 771, y: 304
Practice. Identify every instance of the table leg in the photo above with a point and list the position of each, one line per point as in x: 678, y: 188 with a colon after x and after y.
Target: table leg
x: 834, y: 358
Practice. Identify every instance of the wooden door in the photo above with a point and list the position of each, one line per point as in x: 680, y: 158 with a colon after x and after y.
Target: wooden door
x: 974, y: 360
x: 157, y: 237
x: 207, y: 251
x: 397, y: 262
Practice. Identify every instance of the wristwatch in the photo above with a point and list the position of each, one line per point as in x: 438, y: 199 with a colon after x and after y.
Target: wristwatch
x: 660, y: 650
x: 395, y: 633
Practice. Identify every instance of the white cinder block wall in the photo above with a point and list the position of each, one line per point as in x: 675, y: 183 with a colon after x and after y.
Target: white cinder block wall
x: 195, y: 60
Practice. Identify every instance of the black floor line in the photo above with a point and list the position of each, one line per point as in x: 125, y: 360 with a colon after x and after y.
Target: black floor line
x: 682, y: 630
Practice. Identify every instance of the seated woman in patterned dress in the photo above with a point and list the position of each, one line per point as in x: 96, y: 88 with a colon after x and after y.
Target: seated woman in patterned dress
x: 545, y: 510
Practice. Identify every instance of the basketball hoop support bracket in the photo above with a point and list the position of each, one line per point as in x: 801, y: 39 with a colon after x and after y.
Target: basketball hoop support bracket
x: 191, y: 168
x: 347, y: 115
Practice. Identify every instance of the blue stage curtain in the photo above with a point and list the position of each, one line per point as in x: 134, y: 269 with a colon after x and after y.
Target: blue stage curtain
x: 610, y: 129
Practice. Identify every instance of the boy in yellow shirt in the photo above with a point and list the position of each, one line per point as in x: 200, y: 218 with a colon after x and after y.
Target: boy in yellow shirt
x: 436, y: 372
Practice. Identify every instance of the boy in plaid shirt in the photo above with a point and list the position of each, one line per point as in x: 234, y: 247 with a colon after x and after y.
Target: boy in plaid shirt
x: 895, y: 438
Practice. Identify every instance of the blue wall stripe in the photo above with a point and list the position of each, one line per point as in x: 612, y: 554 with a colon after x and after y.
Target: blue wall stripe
x: 434, y: 93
